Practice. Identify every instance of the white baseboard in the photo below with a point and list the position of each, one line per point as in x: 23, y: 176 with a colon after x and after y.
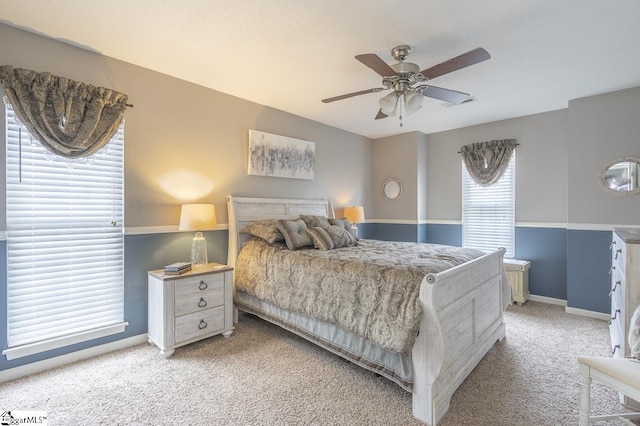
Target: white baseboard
x: 574, y: 311
x: 47, y: 364
x: 549, y: 300
x: 590, y: 314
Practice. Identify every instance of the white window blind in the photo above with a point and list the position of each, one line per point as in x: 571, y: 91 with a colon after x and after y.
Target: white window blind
x: 64, y: 244
x: 488, y: 213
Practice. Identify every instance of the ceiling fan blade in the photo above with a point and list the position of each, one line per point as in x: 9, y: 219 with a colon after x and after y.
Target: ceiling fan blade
x: 374, y: 62
x: 447, y: 95
x: 380, y: 115
x: 466, y: 59
x: 350, y: 95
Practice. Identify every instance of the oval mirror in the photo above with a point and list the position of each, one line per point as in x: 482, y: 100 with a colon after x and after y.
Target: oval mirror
x: 621, y: 176
x: 392, y: 189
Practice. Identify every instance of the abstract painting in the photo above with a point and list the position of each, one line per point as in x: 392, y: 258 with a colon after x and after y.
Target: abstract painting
x: 280, y: 156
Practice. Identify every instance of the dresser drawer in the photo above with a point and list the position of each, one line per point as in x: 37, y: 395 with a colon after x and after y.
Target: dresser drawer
x: 617, y: 343
x: 198, y: 293
x: 199, y: 324
x: 617, y: 290
x: 618, y: 254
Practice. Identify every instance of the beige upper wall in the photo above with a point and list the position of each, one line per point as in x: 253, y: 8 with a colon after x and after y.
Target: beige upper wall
x: 602, y: 129
x: 184, y: 142
x: 403, y: 157
x: 178, y: 127
x: 541, y: 166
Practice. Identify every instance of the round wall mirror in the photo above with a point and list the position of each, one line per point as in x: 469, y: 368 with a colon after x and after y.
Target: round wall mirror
x: 621, y: 176
x: 392, y: 189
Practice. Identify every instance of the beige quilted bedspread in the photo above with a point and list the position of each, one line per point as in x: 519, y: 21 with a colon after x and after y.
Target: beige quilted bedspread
x: 370, y: 289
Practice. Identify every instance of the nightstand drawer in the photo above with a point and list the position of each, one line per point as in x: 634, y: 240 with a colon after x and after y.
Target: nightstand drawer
x: 198, y: 324
x: 199, y: 284
x: 198, y: 293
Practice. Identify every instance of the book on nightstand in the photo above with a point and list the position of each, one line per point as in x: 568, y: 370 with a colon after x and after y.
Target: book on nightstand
x: 177, y: 268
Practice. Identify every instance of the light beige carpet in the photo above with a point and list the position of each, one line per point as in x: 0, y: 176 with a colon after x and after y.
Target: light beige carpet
x: 264, y: 375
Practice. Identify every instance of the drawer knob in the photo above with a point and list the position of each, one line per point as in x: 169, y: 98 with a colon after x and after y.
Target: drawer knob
x: 202, y: 325
x: 615, y: 348
x: 613, y: 243
x: 202, y: 303
x: 203, y: 285
x: 612, y: 269
x: 619, y: 251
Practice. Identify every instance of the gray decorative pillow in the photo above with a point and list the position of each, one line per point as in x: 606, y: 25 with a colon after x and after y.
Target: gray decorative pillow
x: 321, y: 240
x: 313, y: 221
x: 294, y: 232
x: 266, y: 229
x: 340, y: 237
x: 346, y: 225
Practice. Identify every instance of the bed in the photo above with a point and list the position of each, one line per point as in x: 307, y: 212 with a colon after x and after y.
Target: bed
x: 460, y: 310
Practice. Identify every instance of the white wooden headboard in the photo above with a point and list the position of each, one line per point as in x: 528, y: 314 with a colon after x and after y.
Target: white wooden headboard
x: 244, y: 210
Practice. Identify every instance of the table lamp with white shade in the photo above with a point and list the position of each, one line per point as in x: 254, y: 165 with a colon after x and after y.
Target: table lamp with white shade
x: 198, y: 217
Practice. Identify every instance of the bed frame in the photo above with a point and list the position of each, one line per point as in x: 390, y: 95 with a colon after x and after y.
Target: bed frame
x: 462, y: 307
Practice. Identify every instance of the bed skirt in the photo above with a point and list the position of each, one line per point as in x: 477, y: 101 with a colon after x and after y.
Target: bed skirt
x: 393, y: 365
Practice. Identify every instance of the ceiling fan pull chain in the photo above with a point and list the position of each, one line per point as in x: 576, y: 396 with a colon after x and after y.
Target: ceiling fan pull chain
x: 401, y: 107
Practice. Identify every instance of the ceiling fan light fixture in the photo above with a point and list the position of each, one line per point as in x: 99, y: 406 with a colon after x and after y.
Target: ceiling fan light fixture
x: 412, y: 101
x: 389, y: 104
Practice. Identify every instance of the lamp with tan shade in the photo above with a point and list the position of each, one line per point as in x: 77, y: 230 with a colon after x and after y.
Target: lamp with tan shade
x: 198, y: 217
x: 355, y: 214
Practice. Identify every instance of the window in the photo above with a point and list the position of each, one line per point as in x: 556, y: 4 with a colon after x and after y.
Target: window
x: 488, y: 213
x: 64, y: 244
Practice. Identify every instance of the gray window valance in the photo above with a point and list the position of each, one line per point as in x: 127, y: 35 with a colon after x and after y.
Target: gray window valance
x: 487, y: 161
x: 70, y: 118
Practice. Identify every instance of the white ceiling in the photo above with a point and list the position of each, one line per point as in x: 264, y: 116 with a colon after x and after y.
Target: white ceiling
x: 290, y: 54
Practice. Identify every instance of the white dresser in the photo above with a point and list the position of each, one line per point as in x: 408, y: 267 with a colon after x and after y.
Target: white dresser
x: 189, y: 307
x: 625, y: 289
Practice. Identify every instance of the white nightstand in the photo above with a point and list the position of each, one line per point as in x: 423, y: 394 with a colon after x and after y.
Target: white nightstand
x: 189, y: 307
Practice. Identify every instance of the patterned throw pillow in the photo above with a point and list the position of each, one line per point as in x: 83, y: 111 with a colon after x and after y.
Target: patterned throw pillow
x: 321, y: 239
x: 313, y: 221
x: 340, y: 237
x: 266, y: 229
x: 346, y: 225
x: 294, y: 232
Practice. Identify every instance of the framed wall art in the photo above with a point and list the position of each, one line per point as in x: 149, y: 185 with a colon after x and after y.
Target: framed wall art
x: 280, y: 156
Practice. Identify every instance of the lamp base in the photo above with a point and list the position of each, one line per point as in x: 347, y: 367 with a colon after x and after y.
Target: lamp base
x: 199, y: 251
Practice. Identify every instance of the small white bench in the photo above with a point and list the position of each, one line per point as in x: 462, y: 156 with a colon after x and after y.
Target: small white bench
x: 518, y: 275
x: 621, y: 374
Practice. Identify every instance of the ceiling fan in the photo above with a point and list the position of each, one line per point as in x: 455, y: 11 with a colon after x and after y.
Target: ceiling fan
x: 409, y: 83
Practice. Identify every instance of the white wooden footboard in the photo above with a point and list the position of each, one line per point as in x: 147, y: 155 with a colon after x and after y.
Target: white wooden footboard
x: 462, y: 319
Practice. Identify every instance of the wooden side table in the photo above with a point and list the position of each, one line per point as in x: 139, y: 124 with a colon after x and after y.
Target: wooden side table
x: 189, y: 307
